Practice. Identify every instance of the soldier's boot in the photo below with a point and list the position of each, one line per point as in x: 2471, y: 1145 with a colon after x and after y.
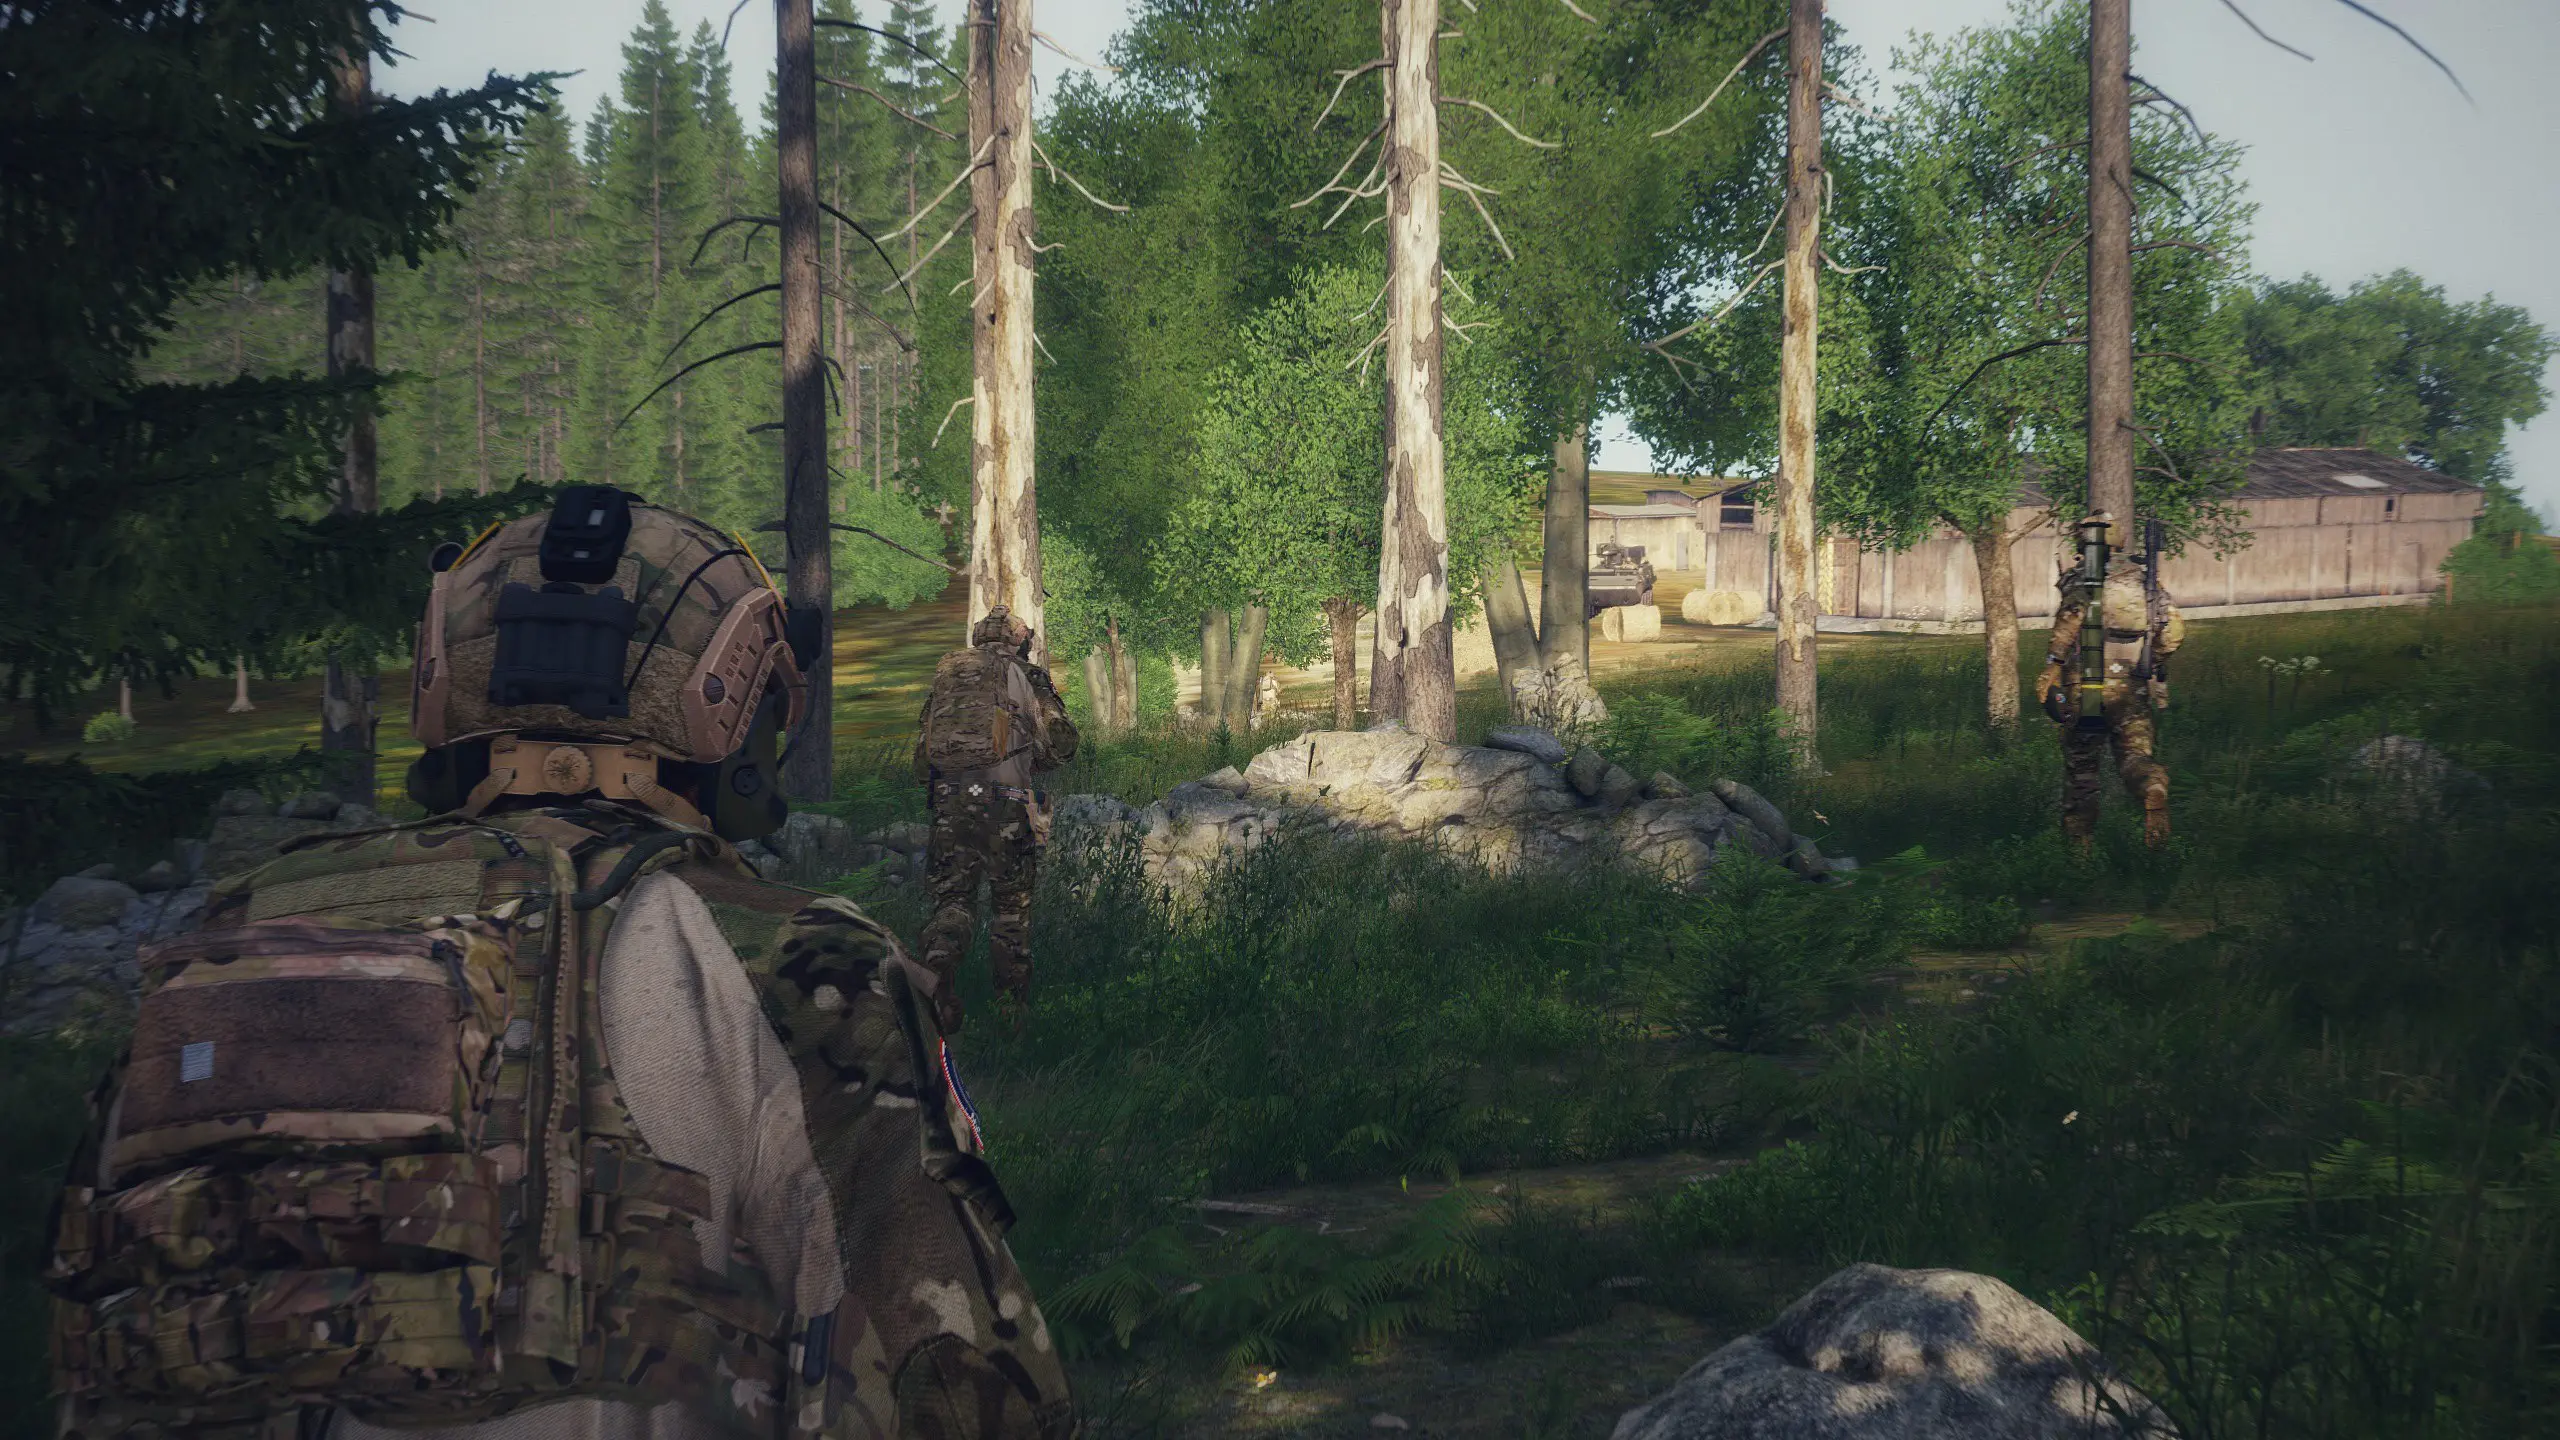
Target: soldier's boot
x: 2155, y: 820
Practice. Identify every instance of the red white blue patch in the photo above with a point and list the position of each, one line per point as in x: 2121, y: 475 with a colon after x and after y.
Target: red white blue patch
x: 960, y: 1092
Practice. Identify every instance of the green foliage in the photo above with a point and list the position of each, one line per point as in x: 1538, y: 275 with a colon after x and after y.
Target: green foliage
x: 2504, y: 562
x: 219, y: 157
x: 108, y: 727
x: 44, y: 1090
x: 1762, y: 955
x: 1649, y: 731
x: 2393, y: 365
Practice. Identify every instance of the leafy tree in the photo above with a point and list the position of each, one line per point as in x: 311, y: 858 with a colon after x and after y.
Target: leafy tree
x: 2393, y: 365
x: 147, y: 151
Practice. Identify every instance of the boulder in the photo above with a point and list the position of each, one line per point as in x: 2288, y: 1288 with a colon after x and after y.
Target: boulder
x: 1720, y: 607
x: 1665, y: 786
x: 1092, y: 814
x: 1618, y: 788
x: 242, y: 802
x: 1631, y: 623
x: 310, y: 805
x: 188, y: 856
x: 1585, y: 771
x: 1229, y: 779
x: 104, y: 870
x: 760, y: 859
x: 912, y: 836
x: 162, y: 875
x: 83, y: 902
x: 1528, y: 740
x: 1757, y: 809
x: 807, y: 837
x: 1906, y: 1354
x: 1559, y: 700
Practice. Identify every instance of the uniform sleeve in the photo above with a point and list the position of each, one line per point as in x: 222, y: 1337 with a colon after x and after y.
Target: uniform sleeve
x: 2058, y: 645
x: 2173, y: 630
x: 1060, y: 731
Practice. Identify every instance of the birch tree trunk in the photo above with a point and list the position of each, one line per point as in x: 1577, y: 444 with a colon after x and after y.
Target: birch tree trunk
x: 1213, y: 669
x: 351, y: 694
x: 240, y: 702
x: 1342, y: 618
x: 1004, y: 553
x: 1097, y: 689
x: 1386, y: 635
x: 1564, y: 576
x: 809, y: 775
x: 2111, y: 434
x: 124, y: 696
x: 1992, y: 561
x: 1506, y: 615
x: 1797, y: 603
x: 1418, y: 528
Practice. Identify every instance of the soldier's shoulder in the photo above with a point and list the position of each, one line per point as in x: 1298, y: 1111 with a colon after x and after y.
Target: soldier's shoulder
x: 807, y: 937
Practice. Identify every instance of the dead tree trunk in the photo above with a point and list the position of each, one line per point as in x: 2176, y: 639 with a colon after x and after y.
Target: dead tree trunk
x: 810, y: 773
x: 240, y: 701
x: 1124, y: 680
x: 1797, y: 604
x: 1097, y: 689
x: 1213, y: 669
x: 1342, y: 618
x: 1004, y: 552
x: 1386, y: 635
x: 124, y: 696
x: 1419, y: 532
x: 1992, y: 544
x: 351, y: 693
x: 2111, y: 433
x: 1564, y: 578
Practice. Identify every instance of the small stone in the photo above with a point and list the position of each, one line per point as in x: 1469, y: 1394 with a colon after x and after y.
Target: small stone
x: 241, y: 802
x: 358, y: 817
x: 1230, y: 779
x: 1527, y: 740
x: 1388, y: 726
x: 1586, y: 770
x: 78, y: 902
x: 310, y: 805
x: 161, y: 876
x: 1843, y: 864
x: 1383, y: 1421
x: 1756, y: 808
x: 1665, y: 786
x: 100, y: 871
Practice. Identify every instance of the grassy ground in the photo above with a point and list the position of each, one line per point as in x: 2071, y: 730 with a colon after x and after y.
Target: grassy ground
x: 2271, y: 1115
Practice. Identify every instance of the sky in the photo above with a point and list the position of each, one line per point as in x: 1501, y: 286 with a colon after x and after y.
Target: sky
x: 2362, y: 160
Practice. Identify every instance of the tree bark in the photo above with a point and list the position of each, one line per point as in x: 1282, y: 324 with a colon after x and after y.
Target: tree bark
x: 1386, y: 635
x: 240, y: 702
x: 1342, y: 618
x: 1124, y: 681
x: 479, y: 375
x: 1004, y: 554
x: 1797, y: 603
x: 2111, y: 434
x: 1244, y: 668
x: 810, y: 773
x: 1426, y: 670
x: 1097, y: 689
x: 1213, y: 669
x: 124, y: 696
x: 1564, y: 576
x: 1506, y: 614
x: 1992, y: 544
x: 351, y: 694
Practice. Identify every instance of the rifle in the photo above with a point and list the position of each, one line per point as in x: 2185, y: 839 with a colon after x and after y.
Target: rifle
x: 2154, y: 666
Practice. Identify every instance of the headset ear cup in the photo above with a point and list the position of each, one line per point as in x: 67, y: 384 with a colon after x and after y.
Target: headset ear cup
x: 746, y: 799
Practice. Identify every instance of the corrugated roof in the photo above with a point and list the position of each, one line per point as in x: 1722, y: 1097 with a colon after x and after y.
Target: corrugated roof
x: 2309, y: 473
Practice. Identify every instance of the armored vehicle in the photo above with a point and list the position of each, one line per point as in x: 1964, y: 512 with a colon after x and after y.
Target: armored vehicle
x: 1623, y: 577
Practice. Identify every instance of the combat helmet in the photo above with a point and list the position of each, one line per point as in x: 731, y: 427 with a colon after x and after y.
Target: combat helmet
x: 607, y: 647
x: 999, y: 626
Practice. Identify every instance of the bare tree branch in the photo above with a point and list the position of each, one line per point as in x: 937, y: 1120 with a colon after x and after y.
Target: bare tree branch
x: 1498, y: 120
x: 1700, y: 324
x: 1976, y: 372
x: 930, y: 57
x: 2055, y: 268
x: 2180, y: 245
x: 927, y: 257
x: 1587, y: 17
x: 1450, y: 177
x: 946, y: 419
x: 2413, y: 44
x: 1338, y: 86
x: 1756, y: 47
x: 2044, y: 150
x: 1838, y: 268
x: 1044, y: 346
x: 1370, y: 184
x: 874, y: 534
x: 758, y: 222
x: 905, y: 341
x: 1043, y: 38
x: 1854, y: 103
x: 2165, y: 98
x: 689, y: 369
x: 855, y: 226
x: 957, y: 181
x: 1057, y: 174
x: 1347, y: 162
x: 2234, y: 7
x: 1362, y: 359
x: 1468, y: 188
x: 709, y: 315
x: 907, y: 115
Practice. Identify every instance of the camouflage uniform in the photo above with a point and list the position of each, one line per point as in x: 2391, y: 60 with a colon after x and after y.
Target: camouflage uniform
x: 2131, y: 695
x: 989, y: 824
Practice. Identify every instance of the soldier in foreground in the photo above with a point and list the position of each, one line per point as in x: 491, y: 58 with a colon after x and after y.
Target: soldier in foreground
x: 992, y: 723
x: 545, y: 1117
x: 2105, y: 677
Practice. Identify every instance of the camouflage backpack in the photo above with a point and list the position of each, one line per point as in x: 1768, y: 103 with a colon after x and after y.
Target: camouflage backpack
x: 981, y: 712
x: 365, y: 1150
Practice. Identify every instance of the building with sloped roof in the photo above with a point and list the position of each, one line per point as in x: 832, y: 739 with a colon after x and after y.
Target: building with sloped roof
x: 2327, y: 529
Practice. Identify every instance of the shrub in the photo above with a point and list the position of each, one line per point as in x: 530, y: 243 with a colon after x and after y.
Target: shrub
x: 108, y: 727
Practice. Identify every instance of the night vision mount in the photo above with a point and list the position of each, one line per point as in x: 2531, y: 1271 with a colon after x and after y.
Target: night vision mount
x: 563, y: 644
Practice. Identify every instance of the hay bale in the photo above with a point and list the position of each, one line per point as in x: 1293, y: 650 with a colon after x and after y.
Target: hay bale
x: 1718, y: 607
x: 1631, y: 623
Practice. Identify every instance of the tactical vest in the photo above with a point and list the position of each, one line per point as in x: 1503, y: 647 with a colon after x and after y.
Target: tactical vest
x: 981, y: 712
x: 355, y: 1157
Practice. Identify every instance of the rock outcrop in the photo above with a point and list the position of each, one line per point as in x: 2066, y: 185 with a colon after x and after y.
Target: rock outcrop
x: 1880, y: 1354
x: 1524, y: 801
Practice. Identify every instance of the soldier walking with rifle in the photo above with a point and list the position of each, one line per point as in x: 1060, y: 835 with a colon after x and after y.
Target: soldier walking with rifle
x: 2106, y: 675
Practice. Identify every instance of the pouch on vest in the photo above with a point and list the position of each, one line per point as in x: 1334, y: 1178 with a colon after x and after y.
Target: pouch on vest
x: 969, y: 719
